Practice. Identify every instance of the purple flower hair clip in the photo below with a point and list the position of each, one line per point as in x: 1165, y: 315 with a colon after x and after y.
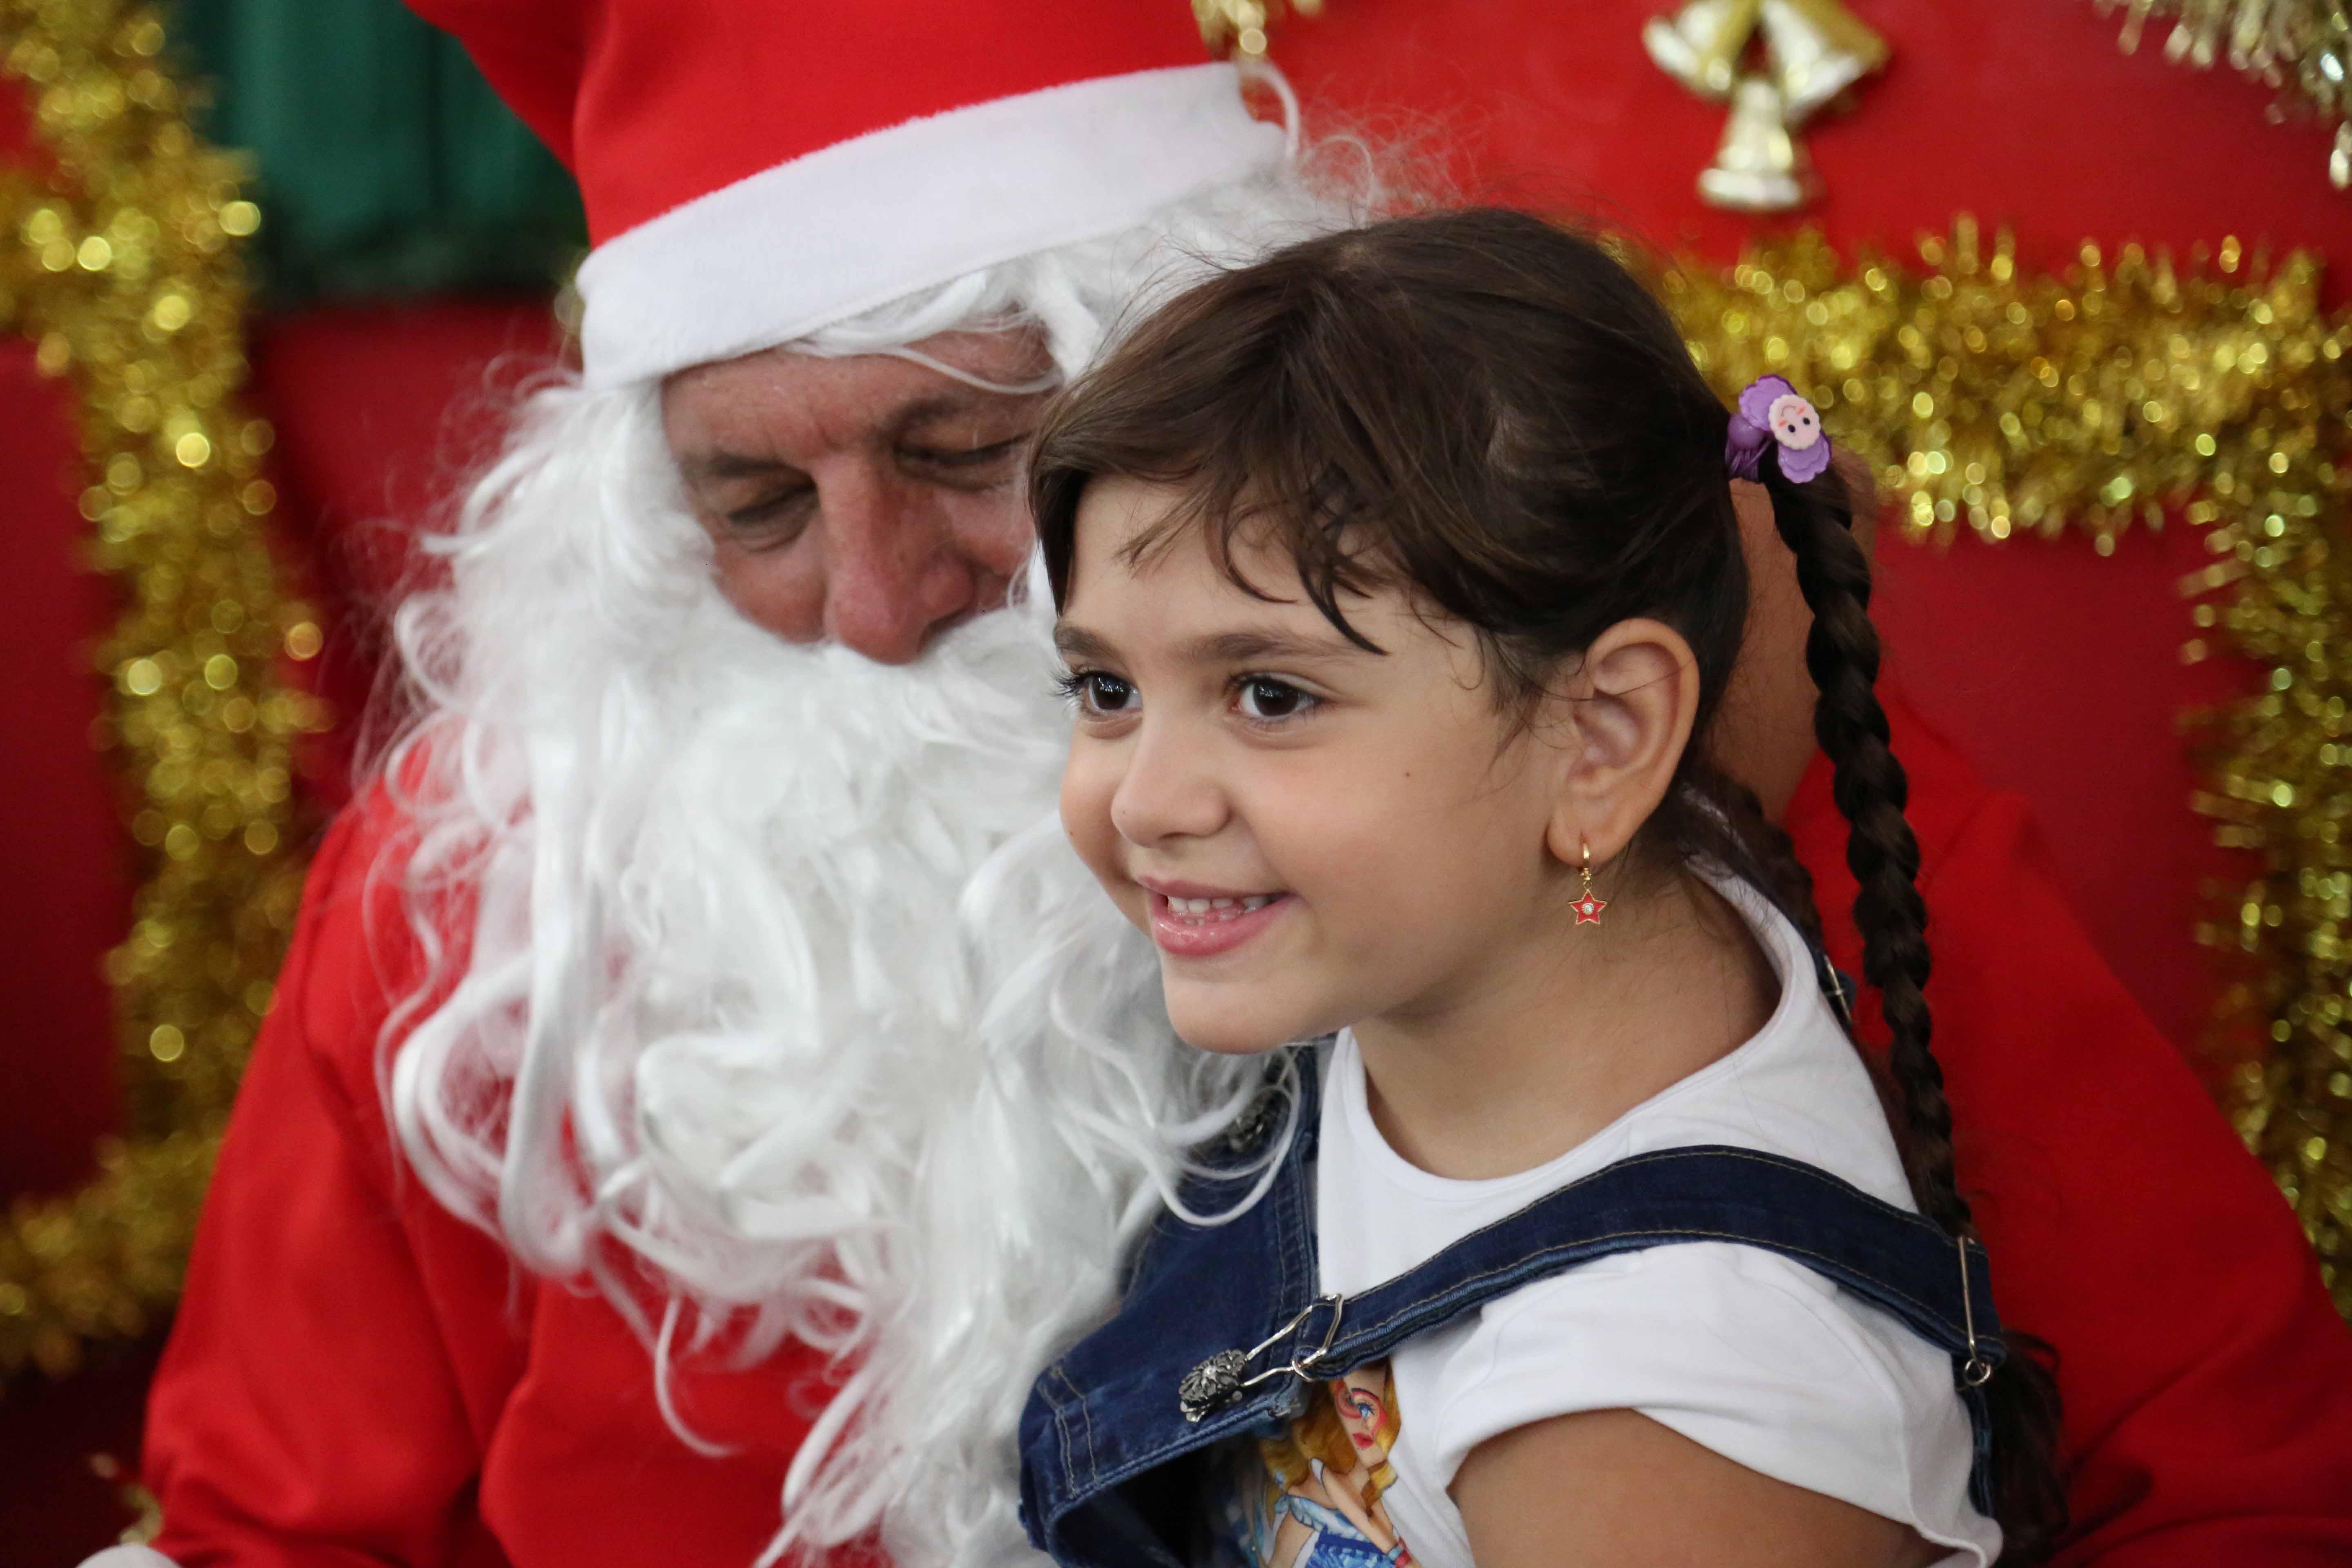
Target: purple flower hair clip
x: 1771, y: 410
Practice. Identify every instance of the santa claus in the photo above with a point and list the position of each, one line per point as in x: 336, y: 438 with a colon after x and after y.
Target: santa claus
x: 704, y: 1089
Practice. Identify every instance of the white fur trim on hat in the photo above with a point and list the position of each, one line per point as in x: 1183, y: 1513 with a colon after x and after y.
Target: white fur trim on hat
x: 804, y: 245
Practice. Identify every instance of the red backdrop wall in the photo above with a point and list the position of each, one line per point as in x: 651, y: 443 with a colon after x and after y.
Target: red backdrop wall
x: 2058, y: 669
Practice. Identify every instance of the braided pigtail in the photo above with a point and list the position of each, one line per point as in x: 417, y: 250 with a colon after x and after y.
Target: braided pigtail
x: 1815, y: 520
x: 1841, y: 655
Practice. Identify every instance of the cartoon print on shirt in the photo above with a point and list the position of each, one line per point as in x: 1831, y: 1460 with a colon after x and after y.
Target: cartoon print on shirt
x: 1314, y: 1498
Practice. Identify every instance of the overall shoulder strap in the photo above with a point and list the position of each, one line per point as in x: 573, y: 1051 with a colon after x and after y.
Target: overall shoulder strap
x: 1938, y: 1285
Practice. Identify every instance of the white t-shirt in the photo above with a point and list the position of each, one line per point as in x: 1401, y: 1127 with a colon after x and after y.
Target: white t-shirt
x: 1744, y: 1351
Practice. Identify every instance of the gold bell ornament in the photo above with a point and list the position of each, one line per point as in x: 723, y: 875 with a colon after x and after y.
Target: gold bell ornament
x: 1777, y: 63
x: 1815, y: 51
x: 1762, y: 167
x: 1700, y: 46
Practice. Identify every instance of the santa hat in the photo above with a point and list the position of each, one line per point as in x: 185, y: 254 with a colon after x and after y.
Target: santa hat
x: 755, y: 169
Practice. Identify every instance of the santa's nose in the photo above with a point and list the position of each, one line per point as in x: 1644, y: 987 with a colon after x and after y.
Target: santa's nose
x: 894, y: 577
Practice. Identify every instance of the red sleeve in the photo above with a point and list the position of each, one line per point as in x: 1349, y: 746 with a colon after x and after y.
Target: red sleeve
x: 344, y: 1345
x: 2207, y: 1380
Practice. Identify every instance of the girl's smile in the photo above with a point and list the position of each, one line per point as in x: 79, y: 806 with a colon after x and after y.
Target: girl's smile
x: 1191, y: 920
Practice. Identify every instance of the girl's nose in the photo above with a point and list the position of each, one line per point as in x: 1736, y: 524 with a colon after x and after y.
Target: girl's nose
x: 1170, y: 790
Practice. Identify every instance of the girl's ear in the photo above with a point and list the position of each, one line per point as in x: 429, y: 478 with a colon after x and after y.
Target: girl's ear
x: 1622, y: 720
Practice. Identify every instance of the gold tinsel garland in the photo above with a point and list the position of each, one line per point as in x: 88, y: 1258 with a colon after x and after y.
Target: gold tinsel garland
x: 2006, y: 402
x: 124, y: 271
x: 2302, y: 44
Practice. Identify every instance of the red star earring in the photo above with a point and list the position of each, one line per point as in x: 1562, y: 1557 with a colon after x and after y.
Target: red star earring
x: 1588, y: 908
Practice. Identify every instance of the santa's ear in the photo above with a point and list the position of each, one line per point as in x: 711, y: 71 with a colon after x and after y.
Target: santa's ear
x: 1621, y: 718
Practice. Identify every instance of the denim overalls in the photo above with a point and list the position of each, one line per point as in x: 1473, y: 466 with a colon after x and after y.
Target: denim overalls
x: 1222, y: 1328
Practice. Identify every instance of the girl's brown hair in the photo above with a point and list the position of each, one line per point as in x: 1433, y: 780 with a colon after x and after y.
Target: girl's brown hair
x: 1492, y: 413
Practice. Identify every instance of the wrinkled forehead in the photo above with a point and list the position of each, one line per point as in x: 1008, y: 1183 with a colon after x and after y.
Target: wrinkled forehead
x: 789, y: 402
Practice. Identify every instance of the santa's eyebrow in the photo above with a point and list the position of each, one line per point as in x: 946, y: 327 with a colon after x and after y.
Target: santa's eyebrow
x: 910, y: 419
x: 701, y: 468
x: 923, y: 411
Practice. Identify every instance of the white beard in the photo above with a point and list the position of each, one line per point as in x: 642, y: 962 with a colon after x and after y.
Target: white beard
x: 847, y: 1045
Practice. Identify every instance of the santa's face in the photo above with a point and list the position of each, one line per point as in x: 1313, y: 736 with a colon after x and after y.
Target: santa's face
x: 871, y: 501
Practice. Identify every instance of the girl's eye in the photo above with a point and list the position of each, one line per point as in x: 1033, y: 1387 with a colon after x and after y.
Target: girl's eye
x: 1263, y: 697
x: 1098, y: 693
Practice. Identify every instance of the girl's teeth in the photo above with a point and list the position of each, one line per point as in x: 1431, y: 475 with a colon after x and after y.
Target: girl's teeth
x: 1223, y: 908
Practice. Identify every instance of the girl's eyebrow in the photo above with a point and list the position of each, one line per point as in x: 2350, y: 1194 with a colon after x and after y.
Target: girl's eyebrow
x: 1076, y: 642
x: 1250, y: 647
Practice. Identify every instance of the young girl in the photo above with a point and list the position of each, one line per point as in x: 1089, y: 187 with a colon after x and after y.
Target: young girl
x: 1399, y: 583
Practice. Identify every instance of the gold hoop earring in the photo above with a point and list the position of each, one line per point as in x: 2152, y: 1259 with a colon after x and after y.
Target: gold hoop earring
x: 1588, y: 908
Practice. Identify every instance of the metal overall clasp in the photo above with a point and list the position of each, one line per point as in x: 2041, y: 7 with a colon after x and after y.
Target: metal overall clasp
x: 1225, y: 1376
x: 1978, y: 1369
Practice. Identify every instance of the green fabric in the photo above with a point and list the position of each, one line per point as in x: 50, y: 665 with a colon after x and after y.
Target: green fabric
x: 386, y: 166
